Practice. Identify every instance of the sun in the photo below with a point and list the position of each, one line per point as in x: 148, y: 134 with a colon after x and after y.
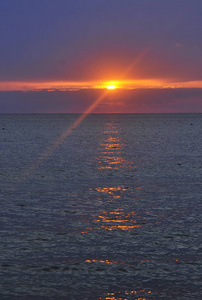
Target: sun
x: 111, y: 87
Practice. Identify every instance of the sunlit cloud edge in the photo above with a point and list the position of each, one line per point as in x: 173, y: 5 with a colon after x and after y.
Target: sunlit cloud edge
x: 118, y: 84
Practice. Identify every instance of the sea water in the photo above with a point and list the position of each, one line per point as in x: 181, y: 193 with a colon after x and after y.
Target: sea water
x: 111, y: 211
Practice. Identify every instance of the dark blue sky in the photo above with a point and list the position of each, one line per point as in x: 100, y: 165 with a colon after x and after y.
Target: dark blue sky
x: 82, y: 39
x: 97, y: 40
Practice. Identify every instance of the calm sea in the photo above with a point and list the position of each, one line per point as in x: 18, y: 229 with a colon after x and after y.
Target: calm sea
x: 112, y: 211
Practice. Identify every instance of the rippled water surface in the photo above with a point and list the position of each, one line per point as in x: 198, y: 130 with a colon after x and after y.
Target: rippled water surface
x: 113, y: 212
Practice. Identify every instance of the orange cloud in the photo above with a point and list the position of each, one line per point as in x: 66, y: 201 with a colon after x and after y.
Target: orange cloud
x: 70, y: 85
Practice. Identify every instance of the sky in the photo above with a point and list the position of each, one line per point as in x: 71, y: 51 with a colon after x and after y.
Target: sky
x: 60, y: 55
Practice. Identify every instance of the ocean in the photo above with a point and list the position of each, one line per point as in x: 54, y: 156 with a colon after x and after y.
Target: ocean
x: 111, y: 211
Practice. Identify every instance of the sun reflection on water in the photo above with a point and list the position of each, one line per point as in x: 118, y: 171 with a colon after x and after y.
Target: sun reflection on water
x: 109, y: 157
x: 120, y: 218
x: 101, y: 261
x: 140, y: 294
x: 110, y: 149
x: 117, y: 215
x: 117, y: 220
x: 111, y: 190
x: 111, y: 162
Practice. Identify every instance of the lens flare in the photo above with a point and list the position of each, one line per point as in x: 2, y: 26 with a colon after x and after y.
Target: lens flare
x: 50, y: 149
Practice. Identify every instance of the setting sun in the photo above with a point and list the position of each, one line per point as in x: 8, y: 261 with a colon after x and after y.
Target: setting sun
x: 111, y: 87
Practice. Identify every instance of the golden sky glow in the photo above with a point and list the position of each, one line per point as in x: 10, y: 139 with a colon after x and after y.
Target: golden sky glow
x: 116, y: 84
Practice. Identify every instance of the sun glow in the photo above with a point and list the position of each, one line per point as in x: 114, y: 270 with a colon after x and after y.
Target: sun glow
x: 111, y: 87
